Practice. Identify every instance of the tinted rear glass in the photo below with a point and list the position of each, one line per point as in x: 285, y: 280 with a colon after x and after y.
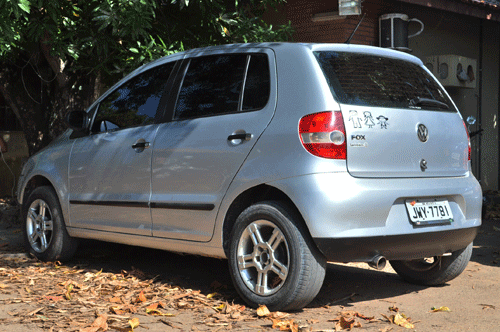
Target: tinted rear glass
x: 257, y: 84
x: 369, y: 80
x: 211, y: 86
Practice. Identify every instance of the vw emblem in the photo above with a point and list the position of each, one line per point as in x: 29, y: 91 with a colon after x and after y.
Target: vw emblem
x: 423, y: 133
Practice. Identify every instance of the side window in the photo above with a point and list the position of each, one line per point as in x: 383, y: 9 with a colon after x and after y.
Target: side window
x: 211, y: 86
x: 135, y: 102
x: 257, y: 84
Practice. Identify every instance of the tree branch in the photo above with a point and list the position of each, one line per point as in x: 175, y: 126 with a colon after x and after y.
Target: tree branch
x: 9, y: 101
x: 55, y: 63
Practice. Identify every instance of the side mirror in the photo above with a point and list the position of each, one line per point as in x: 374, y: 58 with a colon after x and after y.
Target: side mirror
x: 77, y: 120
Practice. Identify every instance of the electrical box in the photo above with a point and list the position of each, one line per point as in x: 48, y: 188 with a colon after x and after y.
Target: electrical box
x: 453, y: 70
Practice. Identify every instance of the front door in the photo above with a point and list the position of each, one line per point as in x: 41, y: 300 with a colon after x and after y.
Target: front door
x: 110, y: 169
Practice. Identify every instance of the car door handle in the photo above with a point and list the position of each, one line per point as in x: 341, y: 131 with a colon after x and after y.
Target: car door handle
x: 244, y: 137
x: 140, y: 145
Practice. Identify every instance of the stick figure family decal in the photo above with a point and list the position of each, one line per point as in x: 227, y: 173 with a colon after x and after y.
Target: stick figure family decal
x: 367, y: 119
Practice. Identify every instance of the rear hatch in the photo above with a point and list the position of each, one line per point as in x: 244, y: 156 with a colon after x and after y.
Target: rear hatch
x: 399, y: 121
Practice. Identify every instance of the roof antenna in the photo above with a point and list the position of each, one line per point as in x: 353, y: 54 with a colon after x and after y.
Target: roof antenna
x: 348, y: 41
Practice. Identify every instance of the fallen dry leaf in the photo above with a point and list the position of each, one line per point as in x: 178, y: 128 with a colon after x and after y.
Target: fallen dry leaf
x: 67, y: 295
x: 401, y: 320
x: 488, y: 306
x: 262, y: 311
x: 352, y: 314
x: 209, y: 296
x: 99, y: 324
x: 31, y: 313
x: 285, y: 325
x: 156, y: 312
x: 117, y: 310
x: 445, y: 309
x: 141, y: 297
x: 346, y: 324
x: 54, y: 298
x: 134, y: 322
x: 115, y: 299
x: 279, y: 315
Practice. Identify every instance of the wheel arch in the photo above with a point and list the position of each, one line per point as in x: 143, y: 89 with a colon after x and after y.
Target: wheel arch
x: 35, y: 182
x: 260, y: 193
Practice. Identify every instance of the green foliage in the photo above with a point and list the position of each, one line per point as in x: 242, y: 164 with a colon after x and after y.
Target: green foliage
x: 56, y: 55
x: 115, y: 36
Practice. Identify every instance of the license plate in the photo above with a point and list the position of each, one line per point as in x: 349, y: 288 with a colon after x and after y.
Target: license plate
x: 429, y: 211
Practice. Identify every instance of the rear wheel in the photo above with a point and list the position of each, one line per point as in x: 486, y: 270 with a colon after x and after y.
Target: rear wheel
x: 273, y: 260
x: 45, y: 233
x: 436, y: 270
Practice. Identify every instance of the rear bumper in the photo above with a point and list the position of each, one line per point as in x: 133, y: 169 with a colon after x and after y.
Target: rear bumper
x: 355, y: 219
x: 408, y: 246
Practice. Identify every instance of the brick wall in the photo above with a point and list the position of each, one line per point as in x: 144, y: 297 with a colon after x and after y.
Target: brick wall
x: 300, y: 13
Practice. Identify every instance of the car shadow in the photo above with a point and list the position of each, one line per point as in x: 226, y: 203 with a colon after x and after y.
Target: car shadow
x: 343, y: 285
x: 347, y: 285
x: 487, y: 244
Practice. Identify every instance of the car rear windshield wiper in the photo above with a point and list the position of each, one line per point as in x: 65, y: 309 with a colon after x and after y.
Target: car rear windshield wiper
x: 426, y: 102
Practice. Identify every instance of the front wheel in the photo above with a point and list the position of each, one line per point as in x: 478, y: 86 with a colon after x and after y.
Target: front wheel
x: 272, y: 258
x: 436, y: 270
x: 45, y: 233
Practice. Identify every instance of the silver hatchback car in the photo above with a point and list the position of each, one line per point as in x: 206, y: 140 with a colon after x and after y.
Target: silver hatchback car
x: 277, y: 156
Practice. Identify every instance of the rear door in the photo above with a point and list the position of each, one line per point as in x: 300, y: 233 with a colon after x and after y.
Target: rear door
x: 399, y: 121
x: 224, y: 104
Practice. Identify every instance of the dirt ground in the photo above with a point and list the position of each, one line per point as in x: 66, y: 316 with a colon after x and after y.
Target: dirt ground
x: 120, y: 288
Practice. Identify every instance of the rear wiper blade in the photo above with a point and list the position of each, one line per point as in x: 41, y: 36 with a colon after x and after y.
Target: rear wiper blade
x: 426, y: 102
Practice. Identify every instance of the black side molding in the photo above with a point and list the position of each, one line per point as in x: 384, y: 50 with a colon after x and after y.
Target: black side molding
x: 112, y: 203
x: 183, y: 206
x: 153, y: 205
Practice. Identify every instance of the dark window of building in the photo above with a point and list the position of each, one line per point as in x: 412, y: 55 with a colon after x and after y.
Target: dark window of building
x: 369, y: 80
x: 135, y: 102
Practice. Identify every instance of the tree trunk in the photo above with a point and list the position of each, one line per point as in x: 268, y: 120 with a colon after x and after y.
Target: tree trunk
x: 41, y: 94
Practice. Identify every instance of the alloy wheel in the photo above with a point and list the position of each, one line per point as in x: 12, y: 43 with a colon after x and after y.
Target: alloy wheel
x: 39, y: 225
x: 263, y: 257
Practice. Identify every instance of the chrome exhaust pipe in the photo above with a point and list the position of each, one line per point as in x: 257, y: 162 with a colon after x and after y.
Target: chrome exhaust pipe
x: 378, y: 262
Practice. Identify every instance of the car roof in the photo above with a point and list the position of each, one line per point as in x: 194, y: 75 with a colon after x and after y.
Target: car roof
x: 286, y: 47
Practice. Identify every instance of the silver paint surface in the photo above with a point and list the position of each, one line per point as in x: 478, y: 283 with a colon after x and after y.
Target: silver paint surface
x: 191, y: 161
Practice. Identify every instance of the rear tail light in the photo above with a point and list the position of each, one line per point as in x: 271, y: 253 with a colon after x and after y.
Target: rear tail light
x: 323, y: 135
x: 468, y: 137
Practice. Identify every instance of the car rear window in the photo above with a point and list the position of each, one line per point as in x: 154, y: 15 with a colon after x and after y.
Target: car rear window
x: 370, y: 80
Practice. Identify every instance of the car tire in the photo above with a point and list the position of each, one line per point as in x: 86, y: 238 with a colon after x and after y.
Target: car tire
x: 436, y: 272
x: 45, y: 234
x: 273, y: 260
